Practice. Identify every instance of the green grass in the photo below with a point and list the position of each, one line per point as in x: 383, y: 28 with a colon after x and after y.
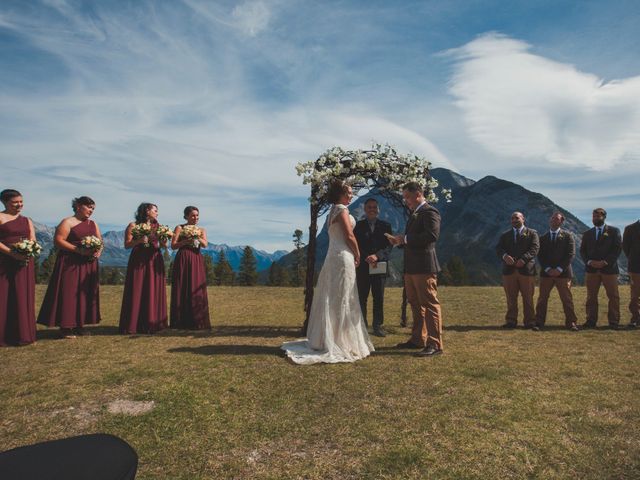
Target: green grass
x: 498, y: 404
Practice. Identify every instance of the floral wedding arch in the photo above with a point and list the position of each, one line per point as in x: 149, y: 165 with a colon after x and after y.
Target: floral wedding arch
x: 381, y: 168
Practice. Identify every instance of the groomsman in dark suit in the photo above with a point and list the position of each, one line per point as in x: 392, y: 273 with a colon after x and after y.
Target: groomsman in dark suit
x: 600, y: 249
x: 518, y: 247
x: 557, y: 251
x: 631, y: 247
x: 374, y: 248
x: 421, y: 269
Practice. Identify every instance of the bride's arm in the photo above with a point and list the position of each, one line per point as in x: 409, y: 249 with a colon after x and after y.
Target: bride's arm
x: 350, y: 238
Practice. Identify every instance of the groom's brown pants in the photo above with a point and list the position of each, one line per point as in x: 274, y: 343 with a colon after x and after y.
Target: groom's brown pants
x: 422, y: 294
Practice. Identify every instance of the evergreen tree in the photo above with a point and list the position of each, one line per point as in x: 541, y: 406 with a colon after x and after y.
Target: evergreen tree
x: 168, y: 264
x: 46, y: 269
x: 278, y: 276
x: 283, y: 279
x: 273, y: 272
x: 223, y: 271
x: 457, y: 271
x: 210, y: 270
x: 247, y: 275
x: 298, y: 268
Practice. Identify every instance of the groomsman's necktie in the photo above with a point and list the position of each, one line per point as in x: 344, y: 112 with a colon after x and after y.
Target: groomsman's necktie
x: 598, y: 232
x: 553, y: 237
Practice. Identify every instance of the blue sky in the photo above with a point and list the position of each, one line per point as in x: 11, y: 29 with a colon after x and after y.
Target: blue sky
x: 213, y: 103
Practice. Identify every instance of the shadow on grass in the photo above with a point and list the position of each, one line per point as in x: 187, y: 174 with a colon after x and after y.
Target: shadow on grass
x: 100, y: 330
x: 229, y: 350
x: 547, y: 328
x: 260, y: 331
x: 257, y: 331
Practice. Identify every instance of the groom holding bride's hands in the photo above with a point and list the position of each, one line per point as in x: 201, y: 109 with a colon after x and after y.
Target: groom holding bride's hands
x: 421, y: 269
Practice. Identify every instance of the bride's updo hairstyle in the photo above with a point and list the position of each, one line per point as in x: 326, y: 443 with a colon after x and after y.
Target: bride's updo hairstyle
x: 337, y: 189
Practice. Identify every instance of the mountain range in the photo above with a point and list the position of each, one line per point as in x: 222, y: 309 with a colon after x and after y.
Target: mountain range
x: 115, y: 255
x: 480, y: 211
x: 471, y: 225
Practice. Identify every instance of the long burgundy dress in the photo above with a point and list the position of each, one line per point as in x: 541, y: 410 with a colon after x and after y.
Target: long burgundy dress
x: 17, y: 289
x: 189, y: 302
x: 144, y: 303
x: 73, y: 295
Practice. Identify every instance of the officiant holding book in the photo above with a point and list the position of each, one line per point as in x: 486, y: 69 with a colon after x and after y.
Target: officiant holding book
x: 372, y: 272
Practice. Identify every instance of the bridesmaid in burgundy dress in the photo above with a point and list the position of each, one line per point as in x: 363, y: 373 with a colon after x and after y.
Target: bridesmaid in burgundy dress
x: 144, y: 303
x: 17, y: 280
x: 189, y: 302
x: 73, y: 295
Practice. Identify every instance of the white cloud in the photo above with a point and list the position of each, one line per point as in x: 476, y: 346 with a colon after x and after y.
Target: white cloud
x: 150, y: 112
x: 520, y: 105
x: 252, y: 17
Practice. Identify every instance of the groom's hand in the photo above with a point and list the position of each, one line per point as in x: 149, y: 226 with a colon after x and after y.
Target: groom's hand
x: 371, y: 260
x: 396, y: 239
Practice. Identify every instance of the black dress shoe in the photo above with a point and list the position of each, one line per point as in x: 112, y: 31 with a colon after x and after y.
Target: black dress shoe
x: 633, y: 324
x: 407, y: 345
x: 614, y: 326
x: 430, y: 351
x: 536, y: 328
x: 509, y: 325
x: 573, y: 327
x: 588, y: 325
x: 378, y: 332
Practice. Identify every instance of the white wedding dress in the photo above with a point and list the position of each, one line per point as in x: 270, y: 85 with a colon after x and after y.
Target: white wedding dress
x: 336, y: 331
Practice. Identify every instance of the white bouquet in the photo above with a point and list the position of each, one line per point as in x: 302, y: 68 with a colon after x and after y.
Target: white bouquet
x: 163, y: 233
x: 141, y: 230
x: 193, y: 233
x: 29, y: 248
x: 92, y: 243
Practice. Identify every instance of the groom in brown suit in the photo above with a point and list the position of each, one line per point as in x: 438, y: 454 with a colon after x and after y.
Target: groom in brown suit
x: 518, y: 247
x: 421, y: 269
x: 600, y: 249
x: 557, y: 251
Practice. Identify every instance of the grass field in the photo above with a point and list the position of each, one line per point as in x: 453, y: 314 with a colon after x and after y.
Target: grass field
x: 498, y: 404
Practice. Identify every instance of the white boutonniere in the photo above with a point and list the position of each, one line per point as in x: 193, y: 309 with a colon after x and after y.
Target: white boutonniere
x: 605, y: 234
x: 414, y: 215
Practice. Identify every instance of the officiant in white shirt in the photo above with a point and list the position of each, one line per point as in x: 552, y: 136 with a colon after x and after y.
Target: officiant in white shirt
x: 373, y: 270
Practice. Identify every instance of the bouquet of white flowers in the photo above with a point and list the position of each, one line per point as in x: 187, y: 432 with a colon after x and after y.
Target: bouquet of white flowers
x: 193, y: 233
x: 30, y: 248
x: 164, y: 233
x: 92, y: 243
x: 141, y: 230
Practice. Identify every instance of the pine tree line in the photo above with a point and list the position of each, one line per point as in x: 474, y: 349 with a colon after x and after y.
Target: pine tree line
x: 218, y: 273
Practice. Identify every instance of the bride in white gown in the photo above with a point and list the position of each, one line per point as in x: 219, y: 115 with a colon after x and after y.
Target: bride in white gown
x: 336, y: 331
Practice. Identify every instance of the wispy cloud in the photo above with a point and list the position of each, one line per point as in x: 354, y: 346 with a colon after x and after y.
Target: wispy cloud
x: 518, y: 104
x: 213, y: 103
